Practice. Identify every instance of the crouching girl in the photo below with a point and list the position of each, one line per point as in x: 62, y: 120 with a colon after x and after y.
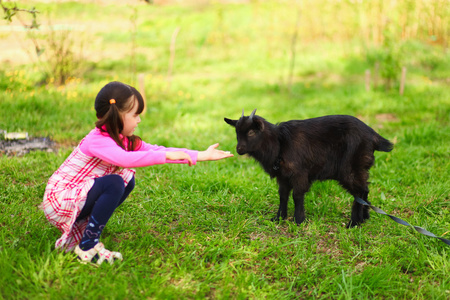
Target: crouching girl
x: 96, y: 178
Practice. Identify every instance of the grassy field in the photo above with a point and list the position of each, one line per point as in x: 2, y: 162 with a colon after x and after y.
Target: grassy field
x: 204, y: 231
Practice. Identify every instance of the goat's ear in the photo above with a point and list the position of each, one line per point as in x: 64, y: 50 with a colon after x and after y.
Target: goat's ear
x: 231, y: 122
x: 260, y: 124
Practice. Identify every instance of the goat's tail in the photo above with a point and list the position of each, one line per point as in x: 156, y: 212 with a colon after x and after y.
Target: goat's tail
x: 382, y: 144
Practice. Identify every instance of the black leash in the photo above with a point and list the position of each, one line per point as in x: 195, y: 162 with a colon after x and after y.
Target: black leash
x: 400, y: 221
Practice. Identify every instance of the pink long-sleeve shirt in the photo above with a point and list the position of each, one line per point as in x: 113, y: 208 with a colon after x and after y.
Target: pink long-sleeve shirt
x: 100, y: 144
x: 97, y: 155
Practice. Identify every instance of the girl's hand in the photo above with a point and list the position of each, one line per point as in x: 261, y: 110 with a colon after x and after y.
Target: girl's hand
x: 179, y: 155
x: 213, y: 154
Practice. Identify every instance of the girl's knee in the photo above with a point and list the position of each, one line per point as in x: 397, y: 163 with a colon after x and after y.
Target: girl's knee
x: 115, y: 183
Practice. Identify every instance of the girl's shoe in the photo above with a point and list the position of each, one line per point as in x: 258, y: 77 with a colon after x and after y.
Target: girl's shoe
x: 98, y: 252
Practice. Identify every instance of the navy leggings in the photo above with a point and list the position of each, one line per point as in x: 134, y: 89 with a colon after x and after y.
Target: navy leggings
x: 105, y: 196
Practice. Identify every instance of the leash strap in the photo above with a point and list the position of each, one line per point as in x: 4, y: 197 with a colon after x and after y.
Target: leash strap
x: 400, y: 221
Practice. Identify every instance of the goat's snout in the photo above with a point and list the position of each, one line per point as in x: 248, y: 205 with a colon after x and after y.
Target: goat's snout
x: 241, y: 150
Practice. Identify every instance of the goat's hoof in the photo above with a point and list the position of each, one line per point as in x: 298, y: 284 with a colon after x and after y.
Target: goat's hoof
x: 352, y: 224
x: 277, y: 219
x: 298, y: 221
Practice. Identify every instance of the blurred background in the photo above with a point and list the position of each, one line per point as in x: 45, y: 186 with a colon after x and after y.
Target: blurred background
x: 204, y: 232
x: 199, y: 61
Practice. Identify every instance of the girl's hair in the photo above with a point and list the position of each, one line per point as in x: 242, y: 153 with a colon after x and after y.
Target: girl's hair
x: 114, y: 99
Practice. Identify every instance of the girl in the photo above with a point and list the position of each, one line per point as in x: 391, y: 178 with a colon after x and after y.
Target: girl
x: 96, y: 178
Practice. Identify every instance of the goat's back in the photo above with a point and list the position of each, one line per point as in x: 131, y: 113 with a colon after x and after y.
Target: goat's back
x: 332, y: 130
x: 332, y: 141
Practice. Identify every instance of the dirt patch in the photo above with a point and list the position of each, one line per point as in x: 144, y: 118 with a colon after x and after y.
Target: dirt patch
x: 21, y: 147
x: 386, y: 118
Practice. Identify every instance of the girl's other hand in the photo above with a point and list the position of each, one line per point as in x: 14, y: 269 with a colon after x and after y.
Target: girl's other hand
x: 213, y: 154
x: 179, y: 155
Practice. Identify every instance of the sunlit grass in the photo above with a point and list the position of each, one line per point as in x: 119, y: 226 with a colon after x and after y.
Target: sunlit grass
x: 204, y: 232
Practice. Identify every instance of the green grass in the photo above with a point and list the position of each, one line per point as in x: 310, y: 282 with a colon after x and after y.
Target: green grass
x: 204, y: 232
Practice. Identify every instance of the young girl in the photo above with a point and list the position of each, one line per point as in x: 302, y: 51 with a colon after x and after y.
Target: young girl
x: 96, y: 178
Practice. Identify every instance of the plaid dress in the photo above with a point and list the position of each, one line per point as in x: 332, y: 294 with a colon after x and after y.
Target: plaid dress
x: 66, y: 193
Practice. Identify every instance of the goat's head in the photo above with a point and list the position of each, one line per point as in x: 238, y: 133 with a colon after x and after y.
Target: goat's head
x: 248, y: 132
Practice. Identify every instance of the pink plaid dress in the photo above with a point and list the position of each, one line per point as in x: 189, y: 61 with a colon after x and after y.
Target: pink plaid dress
x: 66, y: 193
x: 97, y: 155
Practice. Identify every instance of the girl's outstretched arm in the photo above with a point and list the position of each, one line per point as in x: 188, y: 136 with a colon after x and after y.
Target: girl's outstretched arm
x: 179, y: 155
x: 213, y: 154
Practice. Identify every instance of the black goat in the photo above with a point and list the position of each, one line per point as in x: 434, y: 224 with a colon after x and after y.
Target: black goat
x: 298, y: 152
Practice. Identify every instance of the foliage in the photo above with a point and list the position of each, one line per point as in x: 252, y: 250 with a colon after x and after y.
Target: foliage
x: 58, y: 54
x: 10, y: 11
x: 204, y: 232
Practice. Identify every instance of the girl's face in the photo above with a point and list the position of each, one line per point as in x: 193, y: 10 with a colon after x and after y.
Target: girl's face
x: 131, y: 119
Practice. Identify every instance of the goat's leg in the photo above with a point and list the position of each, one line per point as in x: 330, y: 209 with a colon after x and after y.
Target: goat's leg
x: 357, y: 216
x: 284, y: 190
x: 356, y: 183
x: 360, y: 212
x: 300, y: 189
x: 366, y: 209
x: 358, y: 186
x: 299, y: 213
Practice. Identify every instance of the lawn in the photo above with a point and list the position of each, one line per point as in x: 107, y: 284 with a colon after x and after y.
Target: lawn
x: 205, y: 231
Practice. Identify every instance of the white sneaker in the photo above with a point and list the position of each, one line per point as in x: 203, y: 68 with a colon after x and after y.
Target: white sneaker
x: 99, y: 251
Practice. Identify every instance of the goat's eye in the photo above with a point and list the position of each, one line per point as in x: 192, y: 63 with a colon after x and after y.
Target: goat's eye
x: 251, y: 133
